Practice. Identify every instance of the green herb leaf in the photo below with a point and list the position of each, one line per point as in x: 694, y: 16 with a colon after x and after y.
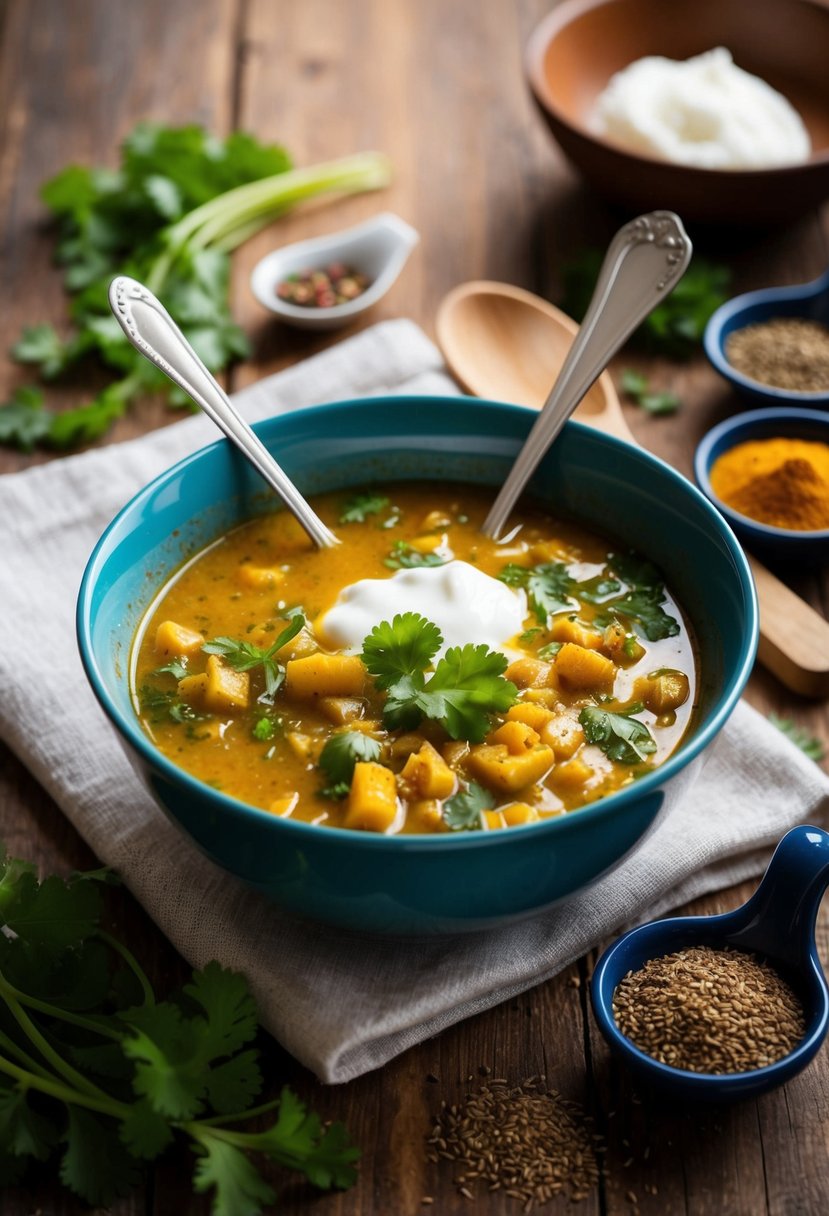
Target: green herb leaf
x: 244, y: 656
x: 620, y: 736
x: 240, y: 1190
x: 394, y: 650
x: 359, y: 506
x: 466, y: 689
x: 404, y: 557
x: 808, y: 744
x: 24, y: 1132
x: 462, y: 812
x: 23, y: 420
x: 644, y: 609
x: 341, y: 752
x: 177, y: 668
x: 96, y: 1165
x: 223, y: 998
x: 549, y: 587
x: 637, y: 388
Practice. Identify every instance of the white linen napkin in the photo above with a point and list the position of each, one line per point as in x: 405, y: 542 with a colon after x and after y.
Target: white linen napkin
x: 340, y: 1002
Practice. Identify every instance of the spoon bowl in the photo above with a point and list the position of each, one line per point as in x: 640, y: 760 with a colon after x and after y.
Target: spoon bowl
x: 806, y: 301
x: 778, y: 924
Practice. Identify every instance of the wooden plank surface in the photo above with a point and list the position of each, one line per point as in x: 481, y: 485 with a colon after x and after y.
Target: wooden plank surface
x: 439, y: 88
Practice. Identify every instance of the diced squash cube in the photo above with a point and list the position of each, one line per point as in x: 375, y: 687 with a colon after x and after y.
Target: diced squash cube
x: 572, y: 774
x: 517, y: 737
x: 519, y: 812
x: 548, y: 697
x: 342, y: 710
x: 303, y: 746
x: 406, y: 745
x: 662, y: 691
x: 284, y: 806
x: 536, y: 716
x: 259, y: 578
x: 566, y: 630
x: 325, y: 675
x: 493, y: 765
x: 528, y: 672
x: 372, y: 800
x: 621, y: 646
x: 299, y: 646
x: 492, y: 820
x: 578, y: 668
x: 435, y: 521
x: 455, y: 752
x: 428, y: 544
x: 424, y: 815
x: 428, y: 774
x: 219, y: 689
x: 367, y: 726
x: 564, y: 734
x: 174, y: 641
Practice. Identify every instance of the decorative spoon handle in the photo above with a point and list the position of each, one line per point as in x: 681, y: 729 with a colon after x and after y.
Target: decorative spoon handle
x: 645, y: 261
x: 153, y: 332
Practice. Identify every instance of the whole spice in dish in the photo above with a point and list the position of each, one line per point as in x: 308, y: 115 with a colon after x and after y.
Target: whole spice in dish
x: 781, y: 482
x: 336, y: 284
x: 709, y: 1010
x: 787, y: 352
x: 525, y: 1141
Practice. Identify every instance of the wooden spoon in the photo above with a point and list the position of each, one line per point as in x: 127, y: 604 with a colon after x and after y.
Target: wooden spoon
x: 506, y: 344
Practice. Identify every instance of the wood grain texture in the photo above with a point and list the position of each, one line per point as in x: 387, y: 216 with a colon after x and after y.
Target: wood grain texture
x: 439, y: 87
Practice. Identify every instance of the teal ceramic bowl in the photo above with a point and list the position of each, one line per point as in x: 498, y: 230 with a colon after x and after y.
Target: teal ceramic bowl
x: 420, y: 884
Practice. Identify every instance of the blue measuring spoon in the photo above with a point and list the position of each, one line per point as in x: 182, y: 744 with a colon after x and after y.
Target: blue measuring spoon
x: 777, y: 923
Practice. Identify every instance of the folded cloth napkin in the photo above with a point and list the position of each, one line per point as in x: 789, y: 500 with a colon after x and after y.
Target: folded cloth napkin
x: 340, y: 1002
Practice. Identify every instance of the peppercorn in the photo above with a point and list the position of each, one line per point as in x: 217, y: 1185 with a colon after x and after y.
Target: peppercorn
x: 336, y: 284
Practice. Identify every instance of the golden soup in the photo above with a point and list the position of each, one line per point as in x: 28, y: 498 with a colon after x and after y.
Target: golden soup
x: 233, y: 682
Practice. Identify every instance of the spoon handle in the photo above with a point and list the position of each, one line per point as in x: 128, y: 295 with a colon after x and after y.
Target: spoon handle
x: 646, y: 259
x: 153, y: 332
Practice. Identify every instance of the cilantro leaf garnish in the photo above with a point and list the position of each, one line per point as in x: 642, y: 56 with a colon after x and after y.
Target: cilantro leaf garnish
x: 462, y: 812
x: 405, y: 557
x: 620, y: 736
x: 549, y: 586
x: 465, y: 689
x: 171, y: 213
x: 359, y: 506
x: 244, y: 656
x: 396, y: 649
x: 341, y: 752
x: 644, y: 609
x: 177, y: 668
x: 808, y: 744
x: 150, y: 1071
x: 636, y: 387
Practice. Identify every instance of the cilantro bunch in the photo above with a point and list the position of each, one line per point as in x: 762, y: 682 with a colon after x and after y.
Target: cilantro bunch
x: 169, y: 216
x: 465, y: 689
x: 98, y: 1072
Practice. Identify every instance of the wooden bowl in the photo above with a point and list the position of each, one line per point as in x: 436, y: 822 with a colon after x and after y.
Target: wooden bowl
x: 577, y: 48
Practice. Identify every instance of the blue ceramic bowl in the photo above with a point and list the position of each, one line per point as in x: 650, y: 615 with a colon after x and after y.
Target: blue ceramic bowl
x: 809, y: 301
x: 778, y: 924
x: 420, y: 883
x: 779, y: 543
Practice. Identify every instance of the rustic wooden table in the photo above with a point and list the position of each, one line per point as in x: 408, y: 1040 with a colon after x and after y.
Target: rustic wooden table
x: 439, y: 87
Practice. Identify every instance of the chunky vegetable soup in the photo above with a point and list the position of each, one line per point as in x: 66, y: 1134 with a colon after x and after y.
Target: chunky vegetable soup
x: 420, y: 677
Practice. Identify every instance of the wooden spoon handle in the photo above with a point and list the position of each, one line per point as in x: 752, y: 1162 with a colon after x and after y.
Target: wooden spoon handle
x: 794, y: 639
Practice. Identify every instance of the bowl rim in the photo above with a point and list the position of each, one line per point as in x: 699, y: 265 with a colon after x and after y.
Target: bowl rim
x: 747, y: 420
x: 534, y: 55
x: 130, y: 731
x: 719, y: 327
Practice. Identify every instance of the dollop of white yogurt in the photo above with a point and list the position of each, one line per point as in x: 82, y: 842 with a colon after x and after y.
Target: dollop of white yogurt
x: 705, y: 112
x: 466, y: 605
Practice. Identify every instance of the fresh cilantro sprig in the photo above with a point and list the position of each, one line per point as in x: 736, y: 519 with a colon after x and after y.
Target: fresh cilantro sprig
x: 98, y: 1075
x: 636, y: 387
x: 405, y: 557
x: 675, y: 327
x: 810, y: 745
x: 462, y: 812
x: 169, y: 215
x: 339, y: 756
x: 245, y: 656
x: 159, y: 704
x: 620, y: 736
x: 357, y: 508
x: 549, y: 586
x: 465, y: 689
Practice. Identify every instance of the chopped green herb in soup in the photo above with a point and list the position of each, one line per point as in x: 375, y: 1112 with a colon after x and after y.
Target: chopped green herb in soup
x: 420, y: 677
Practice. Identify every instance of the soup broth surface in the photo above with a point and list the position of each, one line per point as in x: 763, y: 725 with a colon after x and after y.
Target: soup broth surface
x: 595, y: 688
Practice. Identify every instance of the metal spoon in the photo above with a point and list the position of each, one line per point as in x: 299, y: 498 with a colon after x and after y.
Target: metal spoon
x: 645, y: 261
x: 153, y: 332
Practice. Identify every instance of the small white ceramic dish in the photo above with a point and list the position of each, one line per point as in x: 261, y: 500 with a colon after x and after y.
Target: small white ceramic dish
x: 378, y: 249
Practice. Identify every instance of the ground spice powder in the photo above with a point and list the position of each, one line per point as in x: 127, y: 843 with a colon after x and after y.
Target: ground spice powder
x: 709, y: 1010
x: 787, y: 352
x: 781, y: 482
x: 525, y: 1141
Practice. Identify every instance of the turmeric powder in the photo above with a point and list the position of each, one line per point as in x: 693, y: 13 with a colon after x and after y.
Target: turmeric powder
x: 780, y: 482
